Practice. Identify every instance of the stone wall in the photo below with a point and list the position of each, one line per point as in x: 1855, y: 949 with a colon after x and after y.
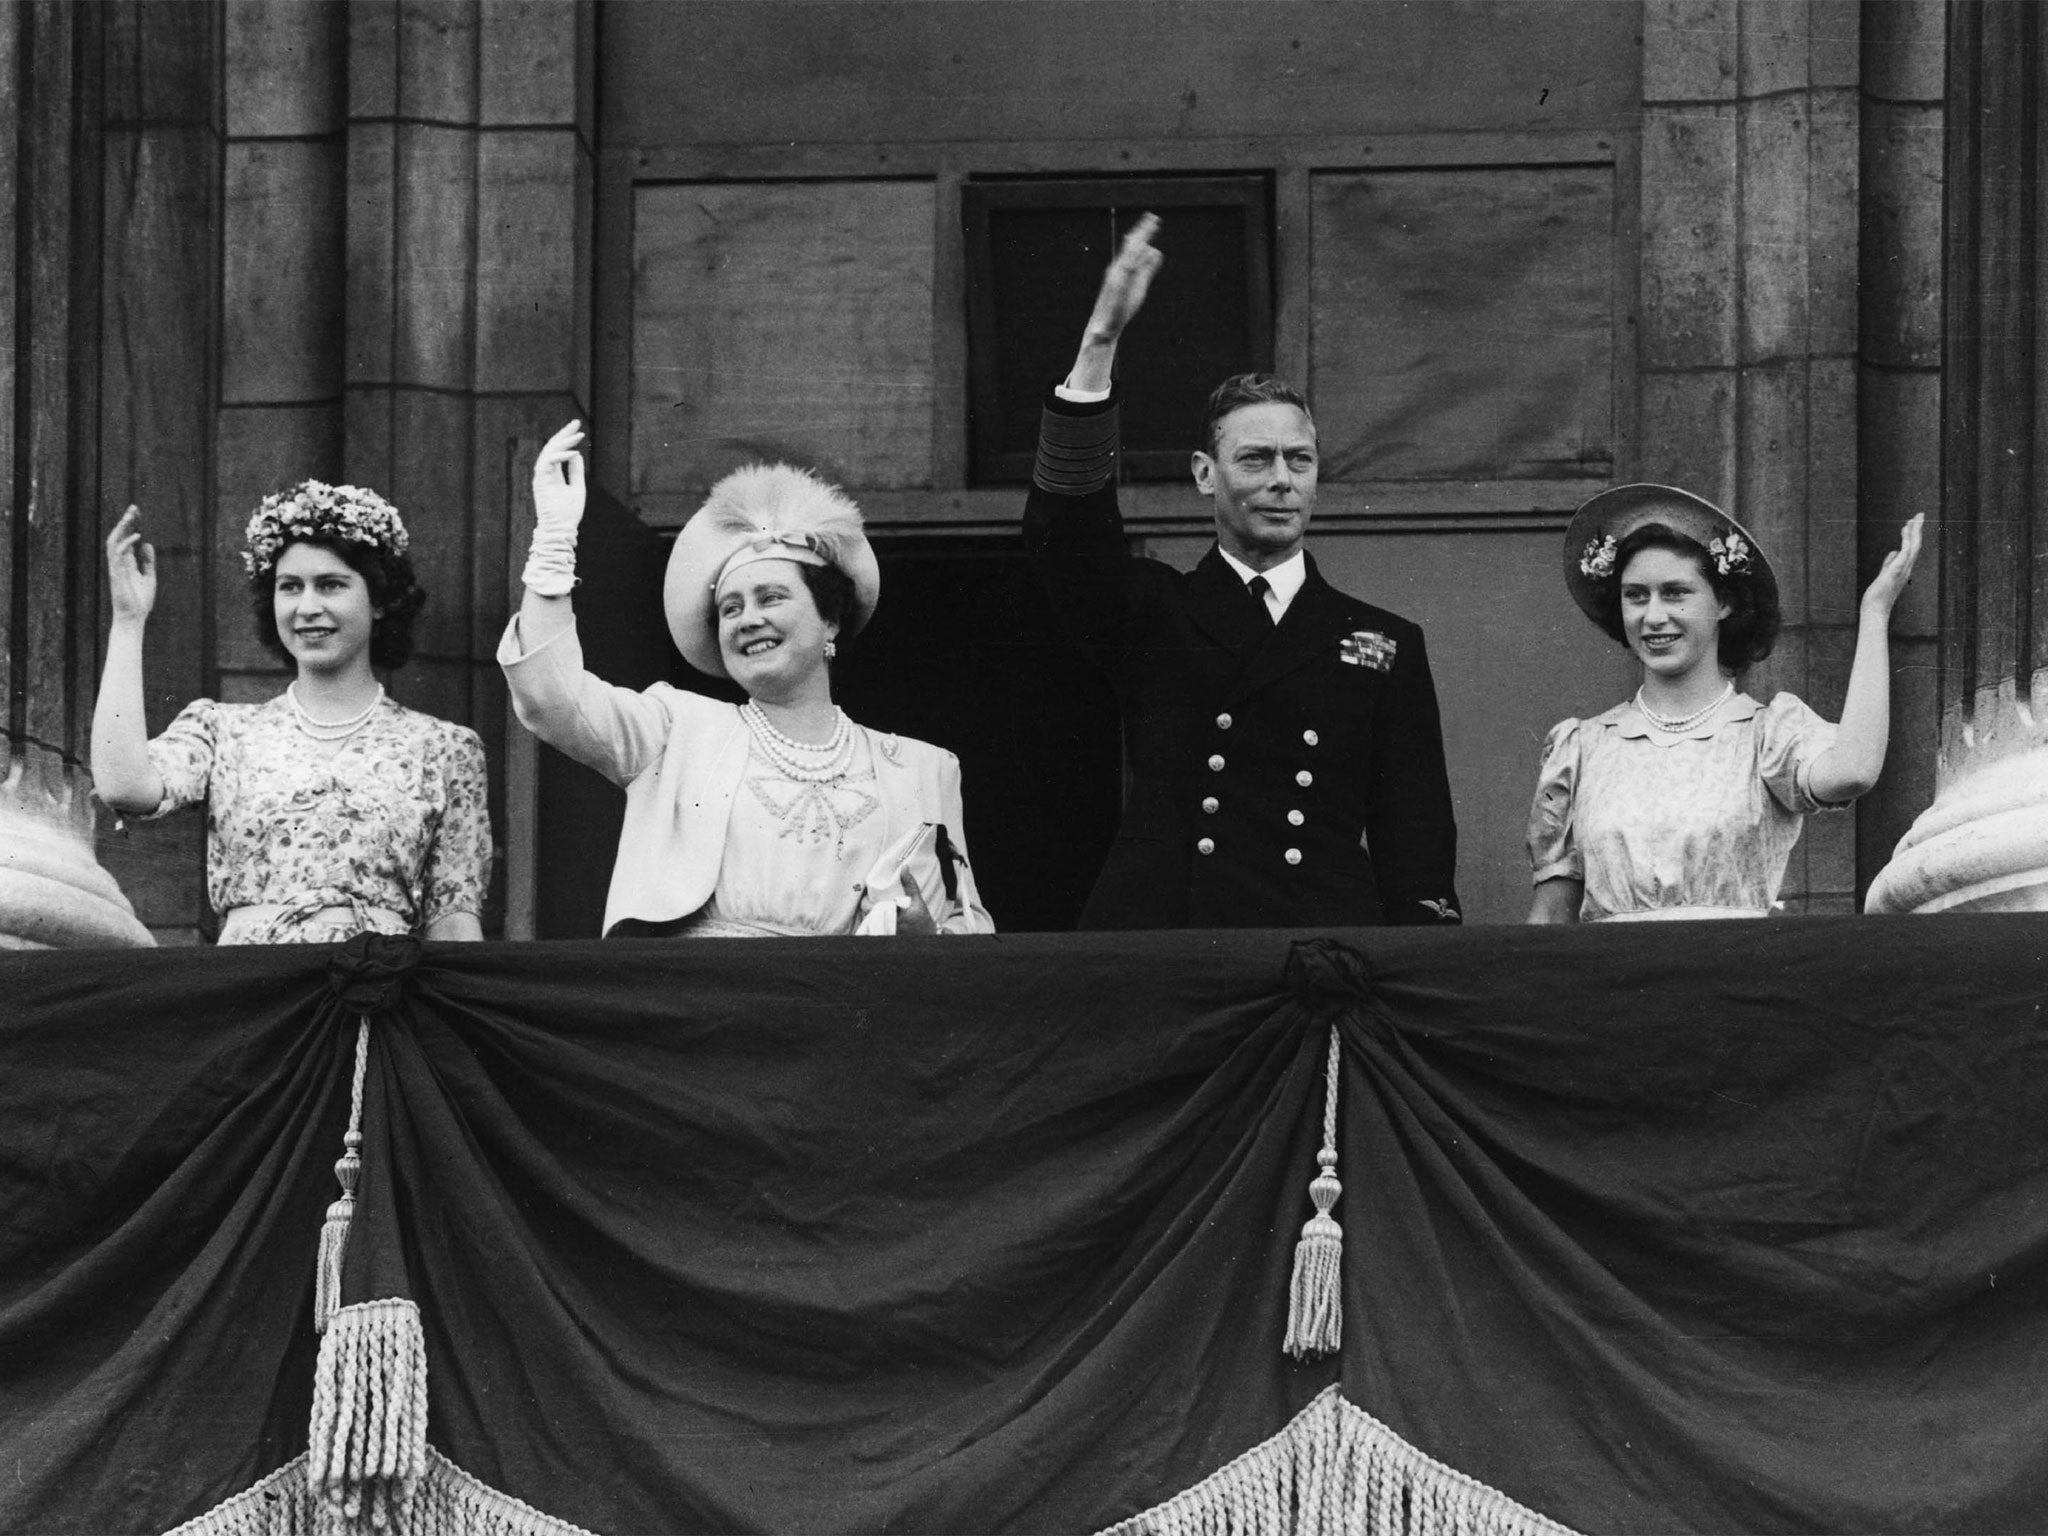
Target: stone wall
x: 346, y: 241
x: 354, y: 240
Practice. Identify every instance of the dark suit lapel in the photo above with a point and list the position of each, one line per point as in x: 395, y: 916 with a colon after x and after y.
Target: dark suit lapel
x: 1221, y: 608
x: 1315, y: 621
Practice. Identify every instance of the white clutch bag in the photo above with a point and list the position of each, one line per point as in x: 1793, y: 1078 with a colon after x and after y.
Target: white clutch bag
x: 917, y: 867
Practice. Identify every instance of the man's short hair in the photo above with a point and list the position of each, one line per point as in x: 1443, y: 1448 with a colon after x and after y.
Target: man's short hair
x: 1241, y: 390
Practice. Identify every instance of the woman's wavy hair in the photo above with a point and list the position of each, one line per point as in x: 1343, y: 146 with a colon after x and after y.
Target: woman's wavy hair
x: 1751, y: 628
x: 394, y: 587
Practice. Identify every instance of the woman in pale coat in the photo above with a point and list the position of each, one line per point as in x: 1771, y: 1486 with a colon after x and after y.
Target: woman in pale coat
x: 778, y: 817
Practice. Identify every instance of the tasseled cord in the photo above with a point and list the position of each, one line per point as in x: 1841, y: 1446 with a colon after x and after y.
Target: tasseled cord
x: 1315, y: 1301
x: 348, y: 1170
x: 367, y: 1443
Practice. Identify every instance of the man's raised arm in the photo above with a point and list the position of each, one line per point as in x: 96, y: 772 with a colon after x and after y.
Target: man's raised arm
x: 1121, y: 297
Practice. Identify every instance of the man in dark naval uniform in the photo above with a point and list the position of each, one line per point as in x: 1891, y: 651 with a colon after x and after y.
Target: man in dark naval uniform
x: 1286, y: 764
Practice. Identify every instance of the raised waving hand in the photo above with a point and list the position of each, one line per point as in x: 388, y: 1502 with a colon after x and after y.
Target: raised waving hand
x: 1117, y: 303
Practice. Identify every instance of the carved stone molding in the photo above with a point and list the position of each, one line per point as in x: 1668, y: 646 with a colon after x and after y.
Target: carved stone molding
x: 53, y: 893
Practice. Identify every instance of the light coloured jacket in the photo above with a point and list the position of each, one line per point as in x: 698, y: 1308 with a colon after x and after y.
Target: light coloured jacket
x: 680, y: 758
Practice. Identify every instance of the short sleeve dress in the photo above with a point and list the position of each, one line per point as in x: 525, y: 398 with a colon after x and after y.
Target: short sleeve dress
x: 1695, y: 824
x: 391, y: 827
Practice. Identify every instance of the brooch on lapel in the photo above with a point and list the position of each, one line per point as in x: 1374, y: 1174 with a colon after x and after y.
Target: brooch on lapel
x: 1367, y: 648
x: 892, y: 747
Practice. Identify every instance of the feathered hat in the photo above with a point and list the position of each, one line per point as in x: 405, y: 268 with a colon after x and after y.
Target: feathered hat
x: 1599, y: 526
x: 763, y: 512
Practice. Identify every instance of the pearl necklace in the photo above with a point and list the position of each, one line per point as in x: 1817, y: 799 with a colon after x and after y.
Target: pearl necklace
x: 330, y: 730
x: 1676, y: 723
x: 805, y: 762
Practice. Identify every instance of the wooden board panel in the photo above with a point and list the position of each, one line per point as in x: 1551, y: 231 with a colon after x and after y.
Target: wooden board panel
x: 773, y: 72
x: 48, y: 706
x: 1463, y: 322
x: 159, y: 273
x: 782, y: 320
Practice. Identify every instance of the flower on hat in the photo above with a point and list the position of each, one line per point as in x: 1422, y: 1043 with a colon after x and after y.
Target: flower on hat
x: 314, y: 509
x: 1730, y: 552
x: 1598, y: 560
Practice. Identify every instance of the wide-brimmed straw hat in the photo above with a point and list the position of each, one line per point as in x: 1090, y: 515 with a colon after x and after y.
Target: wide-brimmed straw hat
x: 1598, y: 528
x: 763, y: 512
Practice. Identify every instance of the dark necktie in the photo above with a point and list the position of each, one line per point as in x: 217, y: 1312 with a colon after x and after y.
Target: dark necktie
x: 1258, y: 586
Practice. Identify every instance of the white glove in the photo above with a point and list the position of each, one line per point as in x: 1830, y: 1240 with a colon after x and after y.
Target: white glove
x: 558, y: 510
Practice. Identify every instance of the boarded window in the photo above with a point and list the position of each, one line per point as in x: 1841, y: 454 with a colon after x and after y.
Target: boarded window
x: 780, y: 320
x: 1464, y: 323
x: 1036, y: 251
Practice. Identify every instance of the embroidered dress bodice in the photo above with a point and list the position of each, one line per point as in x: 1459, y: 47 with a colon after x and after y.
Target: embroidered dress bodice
x: 796, y: 851
x: 1695, y: 823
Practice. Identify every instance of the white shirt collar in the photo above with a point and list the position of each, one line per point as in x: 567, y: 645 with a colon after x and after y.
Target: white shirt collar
x: 1282, y: 580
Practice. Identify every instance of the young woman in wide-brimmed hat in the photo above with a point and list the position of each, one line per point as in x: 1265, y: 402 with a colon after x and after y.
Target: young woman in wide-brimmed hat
x: 1685, y: 800
x: 331, y: 809
x: 779, y: 816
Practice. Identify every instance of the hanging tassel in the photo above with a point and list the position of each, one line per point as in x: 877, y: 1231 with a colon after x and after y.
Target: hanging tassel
x: 1315, y: 1299
x: 367, y: 1448
x: 348, y: 1169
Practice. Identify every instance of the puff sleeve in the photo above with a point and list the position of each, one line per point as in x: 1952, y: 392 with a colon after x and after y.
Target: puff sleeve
x: 458, y: 867
x: 183, y: 755
x: 1553, y: 850
x: 1791, y: 738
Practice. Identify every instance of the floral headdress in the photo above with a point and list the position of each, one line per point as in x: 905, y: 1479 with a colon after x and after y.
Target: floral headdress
x: 1731, y: 554
x: 314, y: 509
x: 1598, y: 560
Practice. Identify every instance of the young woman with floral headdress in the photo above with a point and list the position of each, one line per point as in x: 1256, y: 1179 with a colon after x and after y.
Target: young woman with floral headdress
x: 331, y: 809
x: 1686, y: 799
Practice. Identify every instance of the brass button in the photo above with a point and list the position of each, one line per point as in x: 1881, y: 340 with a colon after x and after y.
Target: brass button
x: 1310, y: 737
x: 1293, y: 855
x: 1303, y: 778
x: 1223, y: 722
x: 1295, y: 818
x: 1210, y: 804
x: 1208, y: 845
x: 1216, y: 763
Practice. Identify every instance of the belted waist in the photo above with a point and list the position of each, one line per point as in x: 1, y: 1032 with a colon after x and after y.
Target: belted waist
x: 316, y: 918
x: 1667, y: 914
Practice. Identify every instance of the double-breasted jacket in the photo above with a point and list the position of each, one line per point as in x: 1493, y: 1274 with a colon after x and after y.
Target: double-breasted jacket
x: 1277, y: 775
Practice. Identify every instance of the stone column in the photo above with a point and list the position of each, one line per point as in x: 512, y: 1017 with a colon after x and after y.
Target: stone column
x: 468, y: 339
x: 52, y: 890
x: 1983, y: 844
x: 1748, y: 335
x: 1899, y: 385
x: 404, y: 298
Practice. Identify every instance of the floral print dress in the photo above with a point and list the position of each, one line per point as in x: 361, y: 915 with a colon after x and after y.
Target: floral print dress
x: 392, y: 826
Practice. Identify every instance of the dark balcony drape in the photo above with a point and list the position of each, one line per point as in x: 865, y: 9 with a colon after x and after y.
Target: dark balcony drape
x: 1713, y: 1227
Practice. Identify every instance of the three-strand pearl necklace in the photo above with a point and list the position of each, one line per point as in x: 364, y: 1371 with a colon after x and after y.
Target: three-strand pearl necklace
x: 806, y: 762
x: 330, y: 730
x: 1673, y: 724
